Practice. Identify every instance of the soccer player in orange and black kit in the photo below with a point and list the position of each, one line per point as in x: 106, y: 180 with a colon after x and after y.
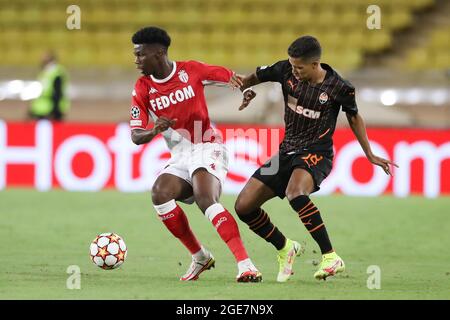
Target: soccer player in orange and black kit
x: 313, y: 95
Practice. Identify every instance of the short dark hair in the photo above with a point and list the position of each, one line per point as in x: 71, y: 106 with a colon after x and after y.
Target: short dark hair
x: 150, y: 35
x: 306, y: 47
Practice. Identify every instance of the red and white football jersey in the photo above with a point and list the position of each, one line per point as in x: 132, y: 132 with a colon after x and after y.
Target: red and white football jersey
x: 179, y: 96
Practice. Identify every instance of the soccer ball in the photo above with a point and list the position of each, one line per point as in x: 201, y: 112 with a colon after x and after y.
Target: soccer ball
x: 108, y: 251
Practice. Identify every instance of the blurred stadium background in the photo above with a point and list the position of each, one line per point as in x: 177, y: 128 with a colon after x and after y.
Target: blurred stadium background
x: 401, y: 70
x: 401, y: 73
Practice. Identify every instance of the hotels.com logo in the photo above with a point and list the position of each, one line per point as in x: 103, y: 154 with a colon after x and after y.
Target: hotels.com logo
x: 93, y: 157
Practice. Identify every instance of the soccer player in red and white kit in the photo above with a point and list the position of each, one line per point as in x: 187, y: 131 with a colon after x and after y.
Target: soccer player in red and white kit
x: 170, y: 93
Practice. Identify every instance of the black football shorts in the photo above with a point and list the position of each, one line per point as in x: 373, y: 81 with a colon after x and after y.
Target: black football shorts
x: 277, y: 177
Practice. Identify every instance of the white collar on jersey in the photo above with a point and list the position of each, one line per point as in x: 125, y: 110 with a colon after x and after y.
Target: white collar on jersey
x: 168, y: 77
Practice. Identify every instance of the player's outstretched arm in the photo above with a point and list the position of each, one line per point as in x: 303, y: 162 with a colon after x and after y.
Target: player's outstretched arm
x: 141, y: 136
x: 359, y: 129
x: 246, y: 83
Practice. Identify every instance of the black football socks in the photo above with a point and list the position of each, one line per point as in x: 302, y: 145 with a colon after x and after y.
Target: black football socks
x: 259, y: 222
x: 310, y: 216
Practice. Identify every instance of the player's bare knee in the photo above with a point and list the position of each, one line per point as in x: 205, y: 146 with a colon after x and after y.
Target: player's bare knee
x: 204, y: 202
x: 292, y: 194
x: 161, y: 195
x: 204, y: 198
x: 241, y: 207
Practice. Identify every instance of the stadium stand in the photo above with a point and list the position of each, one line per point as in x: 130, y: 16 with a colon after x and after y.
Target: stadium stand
x: 249, y: 31
x: 434, y: 54
x: 240, y: 34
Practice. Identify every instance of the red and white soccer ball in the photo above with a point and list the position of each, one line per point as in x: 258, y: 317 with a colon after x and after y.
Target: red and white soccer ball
x: 108, y: 251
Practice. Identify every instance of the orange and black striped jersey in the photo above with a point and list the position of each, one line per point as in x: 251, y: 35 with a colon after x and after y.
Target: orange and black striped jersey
x: 311, y: 110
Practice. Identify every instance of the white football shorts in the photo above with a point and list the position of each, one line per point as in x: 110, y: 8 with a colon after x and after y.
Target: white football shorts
x: 186, y: 159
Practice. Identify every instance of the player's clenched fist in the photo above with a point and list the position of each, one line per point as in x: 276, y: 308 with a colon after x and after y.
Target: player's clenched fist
x: 249, y: 95
x: 163, y: 123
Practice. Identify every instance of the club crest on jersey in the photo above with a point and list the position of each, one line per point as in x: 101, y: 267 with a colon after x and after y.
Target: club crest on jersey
x: 323, y: 97
x: 183, y: 76
x: 135, y: 112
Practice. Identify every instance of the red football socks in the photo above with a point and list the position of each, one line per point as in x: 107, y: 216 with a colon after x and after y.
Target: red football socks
x: 176, y: 221
x: 228, y: 230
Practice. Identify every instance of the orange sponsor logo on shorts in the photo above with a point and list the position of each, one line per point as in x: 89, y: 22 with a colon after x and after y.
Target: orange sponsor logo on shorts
x: 312, y: 159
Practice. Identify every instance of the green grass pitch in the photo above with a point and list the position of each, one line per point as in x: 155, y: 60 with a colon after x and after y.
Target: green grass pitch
x: 43, y: 233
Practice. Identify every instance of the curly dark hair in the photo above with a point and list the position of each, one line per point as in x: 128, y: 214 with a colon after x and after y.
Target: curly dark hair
x: 150, y: 35
x: 306, y: 47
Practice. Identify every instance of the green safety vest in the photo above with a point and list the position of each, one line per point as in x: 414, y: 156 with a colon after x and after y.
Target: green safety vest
x: 43, y: 105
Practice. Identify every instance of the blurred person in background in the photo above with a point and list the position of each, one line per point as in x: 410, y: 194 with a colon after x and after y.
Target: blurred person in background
x: 53, y: 102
